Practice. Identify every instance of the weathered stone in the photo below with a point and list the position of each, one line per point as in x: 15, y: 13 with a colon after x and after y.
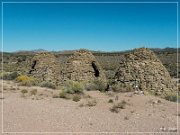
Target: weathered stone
x: 45, y: 67
x: 143, y: 69
x: 82, y: 66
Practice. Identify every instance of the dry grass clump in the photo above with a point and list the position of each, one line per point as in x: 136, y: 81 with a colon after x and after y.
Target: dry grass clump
x: 73, y: 87
x: 24, y: 92
x: 64, y: 95
x: 33, y: 92
x: 72, y: 90
x: 116, y: 107
x: 26, y: 80
x: 91, y: 103
x: 126, y: 118
x: 48, y: 85
x: 96, y: 85
x: 87, y: 96
x: 56, y: 96
x: 110, y: 101
x: 122, y: 87
x: 76, y: 98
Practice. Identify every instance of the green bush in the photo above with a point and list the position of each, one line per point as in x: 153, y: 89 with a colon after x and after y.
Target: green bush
x: 96, y: 85
x: 172, y: 96
x: 73, y: 87
x: 63, y: 94
x: 9, y: 75
x: 90, y: 86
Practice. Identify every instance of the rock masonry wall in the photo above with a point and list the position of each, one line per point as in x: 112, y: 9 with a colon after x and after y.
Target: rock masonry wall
x: 144, y: 71
x: 45, y: 67
x: 82, y: 66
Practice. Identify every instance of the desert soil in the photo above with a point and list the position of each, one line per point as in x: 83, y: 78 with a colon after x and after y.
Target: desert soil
x: 43, y: 113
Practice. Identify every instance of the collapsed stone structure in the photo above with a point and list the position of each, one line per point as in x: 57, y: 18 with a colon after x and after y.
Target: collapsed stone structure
x: 45, y: 67
x: 82, y: 66
x: 142, y: 70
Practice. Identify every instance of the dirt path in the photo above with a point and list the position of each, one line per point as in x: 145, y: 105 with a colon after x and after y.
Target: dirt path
x: 141, y: 114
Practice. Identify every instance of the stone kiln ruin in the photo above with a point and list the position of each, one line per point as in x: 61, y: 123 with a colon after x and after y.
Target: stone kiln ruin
x: 142, y: 70
x: 45, y: 67
x: 82, y: 66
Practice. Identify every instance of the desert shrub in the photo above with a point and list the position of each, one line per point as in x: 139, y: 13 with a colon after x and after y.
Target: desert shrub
x: 48, y: 85
x: 76, y: 98
x: 116, y: 87
x: 110, y: 74
x: 110, y: 101
x: 96, y: 85
x: 120, y: 87
x: 126, y: 118
x: 9, y: 75
x: 56, y: 94
x: 87, y: 96
x: 24, y: 91
x: 33, y: 92
x: 26, y: 80
x: 172, y: 96
x: 91, y: 103
x: 64, y: 95
x: 90, y: 86
x: 100, y: 85
x: 121, y: 104
x: 116, y: 107
x: 73, y: 87
x: 81, y: 105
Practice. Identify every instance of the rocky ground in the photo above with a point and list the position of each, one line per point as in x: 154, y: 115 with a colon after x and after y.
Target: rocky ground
x: 91, y: 115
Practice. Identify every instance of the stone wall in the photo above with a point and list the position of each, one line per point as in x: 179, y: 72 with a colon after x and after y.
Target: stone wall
x: 45, y: 67
x: 144, y: 71
x: 82, y: 66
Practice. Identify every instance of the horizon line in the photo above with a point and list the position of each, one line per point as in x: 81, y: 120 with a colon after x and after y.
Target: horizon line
x: 105, y: 51
x: 53, y: 2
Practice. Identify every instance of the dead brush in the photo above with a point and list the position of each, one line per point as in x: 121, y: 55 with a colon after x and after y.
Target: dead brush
x: 117, y: 106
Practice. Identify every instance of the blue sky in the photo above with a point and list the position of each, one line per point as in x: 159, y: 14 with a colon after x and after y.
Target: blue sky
x: 105, y: 27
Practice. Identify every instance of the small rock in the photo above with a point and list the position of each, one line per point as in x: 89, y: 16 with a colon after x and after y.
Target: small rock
x: 141, y: 92
x: 136, y: 92
x: 172, y: 129
x: 129, y: 94
x: 163, y: 129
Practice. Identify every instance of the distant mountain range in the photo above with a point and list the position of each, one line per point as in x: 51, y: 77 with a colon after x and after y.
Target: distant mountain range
x: 72, y: 51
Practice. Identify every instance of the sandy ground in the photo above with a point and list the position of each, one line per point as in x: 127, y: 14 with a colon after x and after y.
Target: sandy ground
x: 42, y: 113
